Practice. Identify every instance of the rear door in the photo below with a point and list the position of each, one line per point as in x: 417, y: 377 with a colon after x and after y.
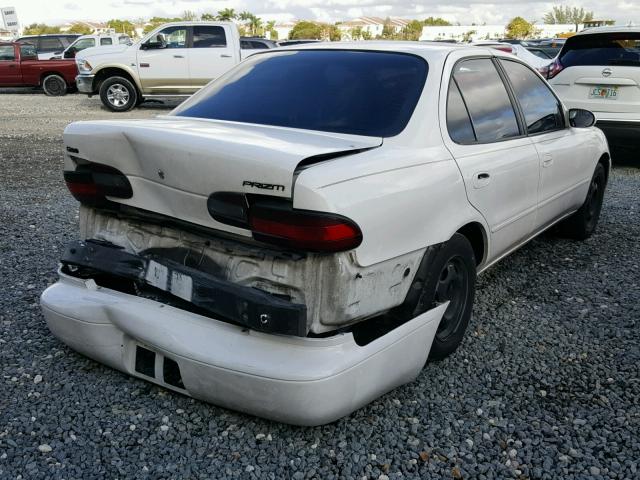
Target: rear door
x: 165, y: 70
x: 499, y: 164
x: 9, y: 66
x: 601, y: 73
x: 212, y: 53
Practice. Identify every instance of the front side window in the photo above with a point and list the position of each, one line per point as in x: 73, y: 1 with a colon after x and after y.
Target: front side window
x: 602, y: 49
x: 344, y: 91
x: 106, y: 41
x: 28, y: 51
x: 486, y: 99
x: 207, y: 36
x: 458, y: 121
x: 541, y: 108
x: 171, y: 37
x: 50, y: 44
x: 84, y: 43
x: 7, y: 53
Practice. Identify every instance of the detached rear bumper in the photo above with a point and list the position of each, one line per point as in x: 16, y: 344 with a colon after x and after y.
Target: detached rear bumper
x: 301, y: 381
x: 85, y: 83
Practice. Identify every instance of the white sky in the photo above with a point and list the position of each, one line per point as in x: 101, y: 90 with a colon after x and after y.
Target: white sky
x: 463, y: 11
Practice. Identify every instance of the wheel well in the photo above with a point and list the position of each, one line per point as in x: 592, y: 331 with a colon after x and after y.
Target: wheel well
x: 474, y: 232
x: 606, y: 163
x: 103, y: 74
x: 46, y: 74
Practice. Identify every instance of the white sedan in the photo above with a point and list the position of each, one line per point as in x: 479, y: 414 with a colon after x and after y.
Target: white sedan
x: 298, y: 238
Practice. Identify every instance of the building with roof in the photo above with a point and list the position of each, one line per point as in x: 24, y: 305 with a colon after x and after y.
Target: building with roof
x: 371, y: 26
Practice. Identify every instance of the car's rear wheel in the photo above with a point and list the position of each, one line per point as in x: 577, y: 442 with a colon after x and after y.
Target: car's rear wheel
x: 54, y: 85
x: 450, y: 276
x: 118, y: 94
x: 583, y: 222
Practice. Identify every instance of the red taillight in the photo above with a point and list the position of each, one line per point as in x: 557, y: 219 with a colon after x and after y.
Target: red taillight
x: 92, y: 183
x: 551, y: 70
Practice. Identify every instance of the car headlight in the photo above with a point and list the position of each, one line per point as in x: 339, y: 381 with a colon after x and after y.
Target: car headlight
x: 83, y: 65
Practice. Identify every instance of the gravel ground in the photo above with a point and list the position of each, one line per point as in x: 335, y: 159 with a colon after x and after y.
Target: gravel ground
x: 545, y: 385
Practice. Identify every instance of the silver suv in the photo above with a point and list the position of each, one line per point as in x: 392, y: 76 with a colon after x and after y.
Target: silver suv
x: 599, y: 70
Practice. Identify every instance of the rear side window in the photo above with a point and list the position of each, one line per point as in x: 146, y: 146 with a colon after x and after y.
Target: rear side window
x: 344, y: 91
x: 50, y: 44
x: 7, y: 53
x: 259, y: 45
x: 28, y: 51
x: 209, y: 37
x: 106, y: 41
x: 541, y: 108
x: 602, y: 49
x: 458, y: 121
x: 487, y: 100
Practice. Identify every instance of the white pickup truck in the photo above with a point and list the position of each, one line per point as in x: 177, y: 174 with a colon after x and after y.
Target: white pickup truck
x: 176, y: 59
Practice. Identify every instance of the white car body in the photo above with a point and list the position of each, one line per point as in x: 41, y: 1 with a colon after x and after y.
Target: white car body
x: 94, y: 41
x: 618, y: 115
x: 407, y: 193
x: 525, y: 55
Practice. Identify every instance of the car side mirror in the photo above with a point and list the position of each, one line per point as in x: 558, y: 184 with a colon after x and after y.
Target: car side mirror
x: 580, y: 118
x: 71, y: 53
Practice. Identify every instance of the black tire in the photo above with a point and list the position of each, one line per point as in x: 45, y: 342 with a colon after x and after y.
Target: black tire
x: 118, y: 94
x: 448, y: 273
x: 583, y: 222
x: 54, y: 85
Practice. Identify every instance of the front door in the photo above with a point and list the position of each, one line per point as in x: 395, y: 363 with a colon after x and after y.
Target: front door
x: 565, y: 163
x: 499, y: 164
x: 163, y: 63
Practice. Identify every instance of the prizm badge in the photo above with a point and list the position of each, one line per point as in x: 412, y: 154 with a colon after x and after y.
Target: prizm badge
x: 263, y: 186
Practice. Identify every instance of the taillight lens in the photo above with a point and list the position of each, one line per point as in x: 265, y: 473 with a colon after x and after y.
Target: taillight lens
x: 92, y: 183
x: 275, y: 221
x: 551, y: 70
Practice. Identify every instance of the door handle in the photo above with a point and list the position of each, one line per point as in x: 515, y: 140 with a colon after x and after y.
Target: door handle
x: 483, y: 176
x: 547, y: 160
x: 481, y: 180
x: 225, y: 55
x: 178, y: 56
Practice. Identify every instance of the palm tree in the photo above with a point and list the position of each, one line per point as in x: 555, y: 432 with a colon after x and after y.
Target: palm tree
x: 226, y: 14
x: 255, y: 25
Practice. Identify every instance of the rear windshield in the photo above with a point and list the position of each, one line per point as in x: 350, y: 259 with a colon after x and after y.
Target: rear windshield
x: 602, y: 49
x: 342, y: 91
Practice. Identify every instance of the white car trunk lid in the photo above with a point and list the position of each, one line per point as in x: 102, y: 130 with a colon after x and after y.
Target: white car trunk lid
x: 174, y: 164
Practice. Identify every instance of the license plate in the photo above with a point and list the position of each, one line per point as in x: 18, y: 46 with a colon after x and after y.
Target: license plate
x: 608, y: 93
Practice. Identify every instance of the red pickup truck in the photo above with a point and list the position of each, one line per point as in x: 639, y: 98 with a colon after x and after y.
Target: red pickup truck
x: 20, y: 67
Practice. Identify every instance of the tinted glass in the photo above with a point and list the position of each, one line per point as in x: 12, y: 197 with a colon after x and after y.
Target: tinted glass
x: 50, y: 44
x: 84, y: 43
x: 602, y: 49
x: 258, y: 45
x: 7, y: 53
x: 208, y: 37
x: 487, y: 100
x: 541, y: 110
x: 355, y: 92
x: 539, y: 53
x: 458, y: 121
x: 106, y: 41
x: 245, y: 44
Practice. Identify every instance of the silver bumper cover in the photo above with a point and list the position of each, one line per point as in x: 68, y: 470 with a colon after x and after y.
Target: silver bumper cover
x: 85, y: 83
x: 302, y: 381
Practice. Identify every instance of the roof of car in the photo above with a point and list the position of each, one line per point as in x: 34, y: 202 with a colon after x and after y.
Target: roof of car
x: 610, y: 29
x: 392, y: 46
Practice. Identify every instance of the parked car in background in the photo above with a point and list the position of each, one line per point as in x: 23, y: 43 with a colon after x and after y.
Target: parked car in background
x: 90, y: 41
x: 599, y: 69
x: 543, y: 51
x: 298, y: 237
x: 528, y: 56
x: 174, y: 60
x: 20, y: 67
x: 48, y: 45
x: 251, y: 45
x: 287, y: 43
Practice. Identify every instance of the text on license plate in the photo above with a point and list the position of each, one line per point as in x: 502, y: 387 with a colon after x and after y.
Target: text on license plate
x: 610, y: 93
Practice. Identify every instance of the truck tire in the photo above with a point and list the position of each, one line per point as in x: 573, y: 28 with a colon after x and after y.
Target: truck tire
x: 118, y: 94
x: 54, y: 85
x: 447, y: 273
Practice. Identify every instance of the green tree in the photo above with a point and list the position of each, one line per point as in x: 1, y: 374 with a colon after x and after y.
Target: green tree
x: 255, y: 26
x: 155, y: 22
x: 566, y: 14
x: 189, y: 16
x: 226, y: 15
x: 388, y: 31
x: 306, y: 29
x: 466, y: 37
x: 40, y: 29
x: 122, y: 26
x: 271, y: 29
x: 435, y: 22
x: 413, y: 31
x: 208, y: 17
x: 356, y: 33
x: 81, y: 28
x: 519, y: 28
